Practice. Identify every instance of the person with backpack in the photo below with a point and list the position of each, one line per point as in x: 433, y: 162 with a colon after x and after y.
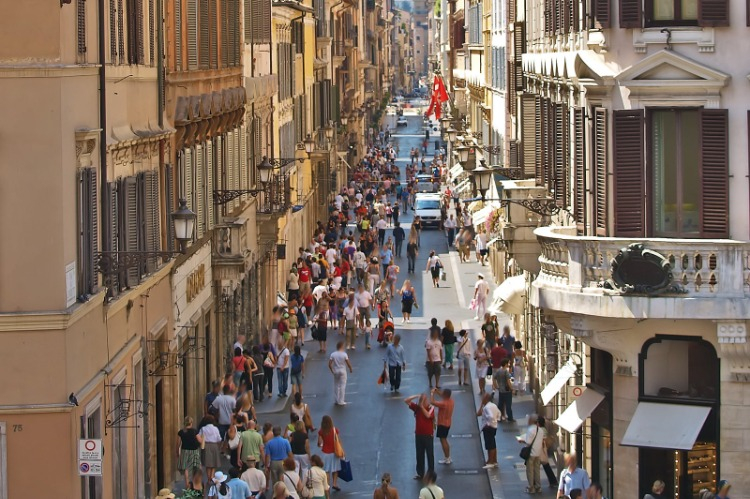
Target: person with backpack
x: 297, y: 373
x: 219, y: 488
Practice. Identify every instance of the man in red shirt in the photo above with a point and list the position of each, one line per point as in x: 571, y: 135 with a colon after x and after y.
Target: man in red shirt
x: 498, y: 353
x: 424, y: 414
x: 304, y: 276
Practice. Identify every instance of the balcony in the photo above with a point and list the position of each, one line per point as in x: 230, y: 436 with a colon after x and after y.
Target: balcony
x: 710, y: 278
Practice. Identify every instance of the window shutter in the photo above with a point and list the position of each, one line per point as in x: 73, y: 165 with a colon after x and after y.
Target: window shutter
x: 192, y: 35
x: 128, y: 233
x: 714, y: 173
x: 178, y: 34
x: 261, y: 21
x: 602, y: 14
x: 151, y: 33
x: 544, y: 146
x: 139, y: 33
x: 530, y: 133
x: 561, y: 133
x: 579, y: 170
x: 81, y: 26
x: 629, y: 182
x: 630, y: 13
x: 120, y: 32
x: 257, y: 147
x: 335, y: 104
x: 520, y: 47
x: 152, y: 214
x: 243, y: 160
x: 713, y: 12
x: 113, y: 31
x: 248, y: 20
x: 187, y: 179
x: 170, y: 203
x: 229, y: 167
x: 114, y: 224
x: 549, y: 21
x: 601, y: 209
x: 87, y: 230
x: 236, y: 36
x: 213, y: 51
x: 199, y: 192
x: 210, y: 220
x: 204, y: 35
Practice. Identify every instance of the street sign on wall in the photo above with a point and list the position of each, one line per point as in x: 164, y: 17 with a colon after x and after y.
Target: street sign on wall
x: 90, y: 457
x: 575, y: 391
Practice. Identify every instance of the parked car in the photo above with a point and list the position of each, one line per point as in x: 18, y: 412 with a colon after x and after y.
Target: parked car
x: 402, y: 122
x: 426, y: 184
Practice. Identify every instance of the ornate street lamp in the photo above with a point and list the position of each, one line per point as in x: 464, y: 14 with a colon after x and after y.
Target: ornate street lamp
x: 344, y: 120
x: 482, y: 179
x: 184, y: 224
x: 463, y: 154
x: 452, y: 134
x: 309, y: 144
x: 328, y: 130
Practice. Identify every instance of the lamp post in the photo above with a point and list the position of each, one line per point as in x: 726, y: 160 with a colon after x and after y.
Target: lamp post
x: 344, y: 120
x: 452, y: 134
x: 309, y: 144
x: 482, y: 179
x: 463, y: 155
x: 329, y: 130
x: 184, y: 224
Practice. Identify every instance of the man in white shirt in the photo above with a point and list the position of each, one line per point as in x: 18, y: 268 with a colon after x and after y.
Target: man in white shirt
x: 481, y: 290
x: 319, y: 291
x: 351, y: 312
x: 481, y: 246
x: 338, y: 364
x: 381, y: 226
x: 331, y: 256
x: 450, y: 229
x: 254, y: 478
x: 572, y: 477
x: 363, y: 300
x: 534, y: 437
x: 490, y: 416
x: 360, y: 264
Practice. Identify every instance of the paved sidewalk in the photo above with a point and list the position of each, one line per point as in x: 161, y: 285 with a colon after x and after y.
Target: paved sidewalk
x: 509, y: 479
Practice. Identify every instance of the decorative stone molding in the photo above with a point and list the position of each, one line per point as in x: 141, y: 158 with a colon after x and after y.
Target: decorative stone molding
x: 624, y: 360
x: 702, y: 37
x: 85, y: 143
x: 734, y: 348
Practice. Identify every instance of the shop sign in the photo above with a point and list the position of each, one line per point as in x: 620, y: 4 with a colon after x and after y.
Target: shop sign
x: 196, y: 281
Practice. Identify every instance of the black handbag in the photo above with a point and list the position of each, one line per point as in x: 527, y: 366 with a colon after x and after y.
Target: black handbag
x: 314, y: 332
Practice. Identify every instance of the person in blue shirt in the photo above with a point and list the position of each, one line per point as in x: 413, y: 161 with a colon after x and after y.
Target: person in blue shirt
x: 239, y: 489
x: 297, y: 361
x: 572, y: 477
x: 277, y: 449
x: 394, y: 358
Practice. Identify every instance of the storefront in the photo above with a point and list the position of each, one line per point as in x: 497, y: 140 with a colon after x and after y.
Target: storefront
x: 191, y: 288
x: 676, y: 422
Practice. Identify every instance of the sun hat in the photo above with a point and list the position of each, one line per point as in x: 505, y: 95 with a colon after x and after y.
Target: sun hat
x: 219, y: 477
x: 165, y: 494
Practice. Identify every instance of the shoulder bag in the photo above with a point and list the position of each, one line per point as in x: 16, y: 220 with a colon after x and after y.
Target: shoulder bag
x: 525, y: 453
x: 338, y: 449
x: 307, y: 419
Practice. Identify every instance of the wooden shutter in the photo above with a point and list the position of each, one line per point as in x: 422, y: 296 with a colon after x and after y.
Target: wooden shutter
x: 88, y: 235
x: 204, y: 34
x: 630, y: 13
x: 236, y: 35
x: 113, y: 31
x: 628, y: 170
x: 545, y: 145
x: 579, y: 170
x: 529, y: 133
x: 139, y: 32
x: 714, y: 173
x: 152, y: 217
x: 561, y: 168
x: 335, y: 104
x: 170, y: 203
x: 151, y: 33
x: 120, y: 31
x: 261, y: 21
x: 192, y: 33
x: 248, y: 20
x: 713, y: 12
x: 519, y: 39
x: 602, y: 14
x: 257, y: 147
x: 114, y: 233
x: 200, y: 188
x: 187, y: 178
x: 128, y: 226
x: 81, y: 26
x: 210, y: 220
x: 213, y: 40
x: 178, y: 34
x: 601, y: 209
x: 229, y: 166
x: 243, y: 160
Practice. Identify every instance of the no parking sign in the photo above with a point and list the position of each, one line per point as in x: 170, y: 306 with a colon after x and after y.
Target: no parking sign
x: 90, y: 457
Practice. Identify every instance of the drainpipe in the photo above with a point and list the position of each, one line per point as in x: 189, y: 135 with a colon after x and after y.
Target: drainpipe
x: 104, y: 196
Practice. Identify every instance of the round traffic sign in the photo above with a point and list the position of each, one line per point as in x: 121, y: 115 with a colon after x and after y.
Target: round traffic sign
x: 89, y: 445
x: 84, y: 467
x: 577, y: 391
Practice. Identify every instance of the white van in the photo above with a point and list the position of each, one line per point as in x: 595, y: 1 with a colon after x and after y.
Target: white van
x: 427, y: 206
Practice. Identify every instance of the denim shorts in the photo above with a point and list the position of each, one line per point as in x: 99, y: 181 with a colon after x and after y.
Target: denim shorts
x: 296, y: 378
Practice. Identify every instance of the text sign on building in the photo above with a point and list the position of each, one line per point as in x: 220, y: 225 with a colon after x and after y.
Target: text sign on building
x: 90, y: 449
x: 196, y: 281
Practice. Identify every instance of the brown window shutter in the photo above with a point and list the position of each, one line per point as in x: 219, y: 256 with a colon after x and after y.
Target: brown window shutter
x: 151, y: 34
x: 112, y: 228
x: 630, y: 13
x: 602, y: 14
x: 120, y: 31
x: 204, y: 34
x: 579, y: 170
x: 139, y: 33
x: 81, y: 26
x: 170, y: 203
x: 153, y: 213
x: 513, y: 159
x: 213, y: 30
x: 599, y: 183
x: 248, y: 20
x: 529, y: 133
x: 713, y: 12
x: 178, y: 34
x: 546, y: 146
x: 629, y: 182
x: 113, y: 31
x: 714, y: 173
x: 548, y: 17
x: 561, y: 167
x: 128, y: 226
x: 519, y: 39
x: 192, y: 33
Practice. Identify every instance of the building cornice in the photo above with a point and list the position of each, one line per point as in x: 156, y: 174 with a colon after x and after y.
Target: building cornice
x: 49, y: 320
x: 47, y: 70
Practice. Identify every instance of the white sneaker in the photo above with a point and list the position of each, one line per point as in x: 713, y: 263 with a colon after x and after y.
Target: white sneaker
x: 403, y: 320
x: 490, y: 466
x: 445, y: 461
x: 476, y: 317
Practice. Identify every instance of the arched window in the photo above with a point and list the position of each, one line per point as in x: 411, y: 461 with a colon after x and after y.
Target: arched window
x: 685, y: 368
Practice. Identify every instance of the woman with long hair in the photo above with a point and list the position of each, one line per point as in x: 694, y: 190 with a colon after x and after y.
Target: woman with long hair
x: 391, y: 275
x: 434, y: 265
x: 408, y: 300
x: 481, y: 356
x: 327, y: 437
x: 321, y: 324
x: 449, y: 339
x: 300, y: 443
x: 302, y: 410
x: 385, y: 491
x: 245, y: 411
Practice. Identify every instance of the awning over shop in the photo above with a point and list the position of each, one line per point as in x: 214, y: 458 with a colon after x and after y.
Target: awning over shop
x: 579, y: 410
x: 342, y: 157
x: 464, y: 186
x: 508, y: 296
x: 454, y: 172
x: 665, y: 426
x: 561, y: 378
x: 480, y: 216
x: 474, y: 206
